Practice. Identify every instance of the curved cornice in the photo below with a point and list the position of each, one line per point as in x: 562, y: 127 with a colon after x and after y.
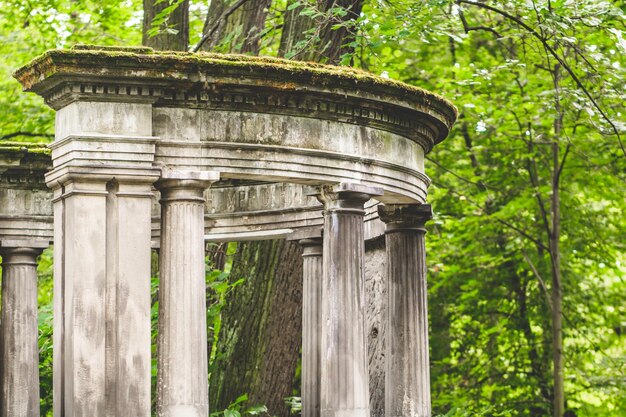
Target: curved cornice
x: 242, y: 83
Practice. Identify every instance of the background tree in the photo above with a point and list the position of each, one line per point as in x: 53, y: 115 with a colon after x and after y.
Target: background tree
x: 258, y: 348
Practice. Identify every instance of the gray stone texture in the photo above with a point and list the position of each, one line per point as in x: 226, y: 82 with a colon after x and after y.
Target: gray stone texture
x: 19, y: 352
x: 407, y: 374
x: 344, y: 366
x: 376, y: 291
x: 311, y: 323
x: 182, y: 382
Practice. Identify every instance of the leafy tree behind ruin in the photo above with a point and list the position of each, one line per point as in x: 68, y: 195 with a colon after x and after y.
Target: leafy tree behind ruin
x: 528, y: 190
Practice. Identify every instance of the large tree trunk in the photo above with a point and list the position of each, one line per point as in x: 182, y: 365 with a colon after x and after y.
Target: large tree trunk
x: 309, y: 39
x: 235, y: 26
x: 261, y: 327
x: 261, y: 331
x: 177, y: 38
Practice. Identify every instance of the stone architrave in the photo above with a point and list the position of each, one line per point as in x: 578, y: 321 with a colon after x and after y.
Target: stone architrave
x: 407, y: 374
x: 182, y: 382
x: 312, y: 244
x: 19, y: 351
x: 344, y: 361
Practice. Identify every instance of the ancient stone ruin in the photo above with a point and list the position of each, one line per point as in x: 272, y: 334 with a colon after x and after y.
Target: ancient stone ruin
x: 169, y: 151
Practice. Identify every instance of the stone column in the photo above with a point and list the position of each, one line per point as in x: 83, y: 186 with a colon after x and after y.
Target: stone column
x: 102, y: 291
x: 19, y: 352
x: 407, y: 380
x: 103, y: 171
x: 344, y: 363
x: 182, y: 385
x: 311, y: 242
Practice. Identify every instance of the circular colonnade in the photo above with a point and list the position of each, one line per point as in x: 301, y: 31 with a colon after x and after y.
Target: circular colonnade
x: 239, y: 148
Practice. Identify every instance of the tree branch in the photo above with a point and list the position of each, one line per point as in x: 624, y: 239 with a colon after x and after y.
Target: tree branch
x: 521, y: 232
x: 541, y: 39
x: 560, y: 169
x: 469, y: 28
x: 542, y: 283
x: 28, y: 134
x: 524, y: 234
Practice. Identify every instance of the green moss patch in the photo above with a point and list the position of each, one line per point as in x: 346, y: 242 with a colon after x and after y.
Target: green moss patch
x: 282, y: 73
x: 25, y: 148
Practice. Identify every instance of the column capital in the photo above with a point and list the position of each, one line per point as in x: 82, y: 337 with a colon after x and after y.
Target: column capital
x: 399, y: 217
x: 88, y: 179
x: 185, y: 185
x: 310, y: 239
x: 346, y: 197
x: 21, y: 252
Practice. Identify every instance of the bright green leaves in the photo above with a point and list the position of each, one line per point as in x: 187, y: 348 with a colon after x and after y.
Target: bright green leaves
x: 160, y: 23
x: 236, y: 409
x: 489, y: 267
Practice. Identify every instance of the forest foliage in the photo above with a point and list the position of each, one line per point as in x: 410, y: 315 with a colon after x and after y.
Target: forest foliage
x: 528, y: 191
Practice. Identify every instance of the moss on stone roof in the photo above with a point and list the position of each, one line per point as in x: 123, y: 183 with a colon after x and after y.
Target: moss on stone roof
x: 23, y: 147
x: 161, y: 63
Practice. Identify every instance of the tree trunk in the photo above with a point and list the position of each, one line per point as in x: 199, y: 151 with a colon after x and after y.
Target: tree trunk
x: 178, y: 22
x: 320, y: 39
x: 235, y: 26
x: 257, y: 353
x: 555, y: 259
x: 294, y: 29
x: 261, y: 331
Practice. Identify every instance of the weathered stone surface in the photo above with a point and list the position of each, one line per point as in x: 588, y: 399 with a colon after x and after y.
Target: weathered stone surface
x: 102, y: 297
x: 270, y: 129
x: 261, y: 85
x: 376, y: 291
x: 302, y: 123
x: 102, y: 185
x: 407, y: 386
x: 25, y: 201
x: 344, y: 365
x: 182, y: 384
x: 19, y: 352
x: 234, y: 211
x: 279, y: 147
x: 311, y: 241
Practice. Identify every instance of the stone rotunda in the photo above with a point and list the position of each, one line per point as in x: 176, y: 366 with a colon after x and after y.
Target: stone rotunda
x: 172, y: 150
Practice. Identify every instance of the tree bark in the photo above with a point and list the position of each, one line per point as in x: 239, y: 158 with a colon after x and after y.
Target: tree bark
x: 555, y: 258
x: 235, y: 27
x: 257, y: 353
x: 319, y: 39
x: 178, y: 20
x: 261, y: 331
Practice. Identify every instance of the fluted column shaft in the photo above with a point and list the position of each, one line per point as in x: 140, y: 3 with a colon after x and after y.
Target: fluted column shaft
x: 182, y: 385
x: 407, y: 377
x: 311, y: 323
x: 19, y: 353
x: 344, y: 366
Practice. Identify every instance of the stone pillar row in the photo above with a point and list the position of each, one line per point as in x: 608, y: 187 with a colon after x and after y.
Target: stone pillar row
x: 102, y: 305
x: 334, y: 357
